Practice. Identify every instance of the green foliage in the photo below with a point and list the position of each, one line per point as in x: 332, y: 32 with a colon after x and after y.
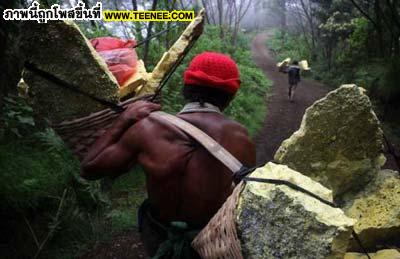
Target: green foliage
x: 41, y: 191
x: 249, y: 107
x: 368, y: 75
x: 358, y: 38
x: 17, y: 117
x: 156, y: 50
x: 39, y: 174
x: 295, y: 47
x: 127, y: 194
x: 338, y: 24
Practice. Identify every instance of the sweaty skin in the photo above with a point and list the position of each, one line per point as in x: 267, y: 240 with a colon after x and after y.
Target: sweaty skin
x: 184, y: 181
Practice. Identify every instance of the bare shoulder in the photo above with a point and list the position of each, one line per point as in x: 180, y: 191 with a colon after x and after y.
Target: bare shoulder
x: 235, y: 127
x: 154, y: 128
x: 239, y: 143
x: 140, y: 131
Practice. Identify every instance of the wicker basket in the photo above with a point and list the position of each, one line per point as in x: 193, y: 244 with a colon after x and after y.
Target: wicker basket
x: 79, y: 134
x: 219, y: 238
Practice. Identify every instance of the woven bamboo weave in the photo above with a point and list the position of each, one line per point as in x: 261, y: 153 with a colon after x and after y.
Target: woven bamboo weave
x: 219, y: 238
x: 79, y: 134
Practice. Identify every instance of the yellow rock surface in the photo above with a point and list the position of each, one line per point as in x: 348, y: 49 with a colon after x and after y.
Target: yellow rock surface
x: 304, y: 65
x: 59, y: 48
x: 339, y: 143
x: 284, y: 62
x: 283, y: 172
x: 377, y: 211
x: 277, y: 221
x: 382, y: 254
x: 23, y: 88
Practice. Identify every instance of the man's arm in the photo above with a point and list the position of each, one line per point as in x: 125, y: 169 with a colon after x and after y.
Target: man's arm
x: 110, y: 154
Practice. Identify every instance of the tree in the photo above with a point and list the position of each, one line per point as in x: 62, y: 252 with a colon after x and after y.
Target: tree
x: 148, y: 34
x: 384, y: 17
x: 278, y: 7
x: 239, y: 9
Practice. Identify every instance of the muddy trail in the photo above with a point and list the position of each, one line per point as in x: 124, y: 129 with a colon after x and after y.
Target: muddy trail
x: 121, y: 246
x: 283, y: 117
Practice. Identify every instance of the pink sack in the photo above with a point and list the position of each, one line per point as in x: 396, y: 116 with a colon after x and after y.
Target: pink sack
x: 107, y: 43
x: 121, y: 72
x: 119, y: 55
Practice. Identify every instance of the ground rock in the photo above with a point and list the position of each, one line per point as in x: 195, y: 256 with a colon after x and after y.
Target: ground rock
x: 339, y: 142
x: 276, y: 221
x: 59, y: 48
x: 377, y: 211
x: 382, y: 254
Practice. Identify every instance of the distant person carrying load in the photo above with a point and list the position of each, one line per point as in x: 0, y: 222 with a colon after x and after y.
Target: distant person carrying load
x: 186, y: 184
x: 294, y: 78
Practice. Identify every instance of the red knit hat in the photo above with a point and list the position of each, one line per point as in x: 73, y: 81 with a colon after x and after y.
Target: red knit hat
x: 213, y: 70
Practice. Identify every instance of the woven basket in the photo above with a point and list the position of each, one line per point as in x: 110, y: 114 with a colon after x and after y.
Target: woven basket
x: 79, y: 134
x: 219, y: 238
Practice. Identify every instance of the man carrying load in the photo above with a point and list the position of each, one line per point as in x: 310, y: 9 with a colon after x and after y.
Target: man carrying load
x: 293, y: 78
x: 186, y: 184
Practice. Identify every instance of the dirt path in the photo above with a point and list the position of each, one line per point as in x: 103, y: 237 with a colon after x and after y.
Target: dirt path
x: 122, y: 246
x: 283, y: 117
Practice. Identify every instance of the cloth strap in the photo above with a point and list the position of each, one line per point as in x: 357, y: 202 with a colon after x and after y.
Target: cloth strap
x: 208, y: 143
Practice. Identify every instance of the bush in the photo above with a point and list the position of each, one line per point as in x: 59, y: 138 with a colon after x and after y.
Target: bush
x: 249, y: 107
x: 43, y: 199
x: 294, y: 47
x: 127, y: 194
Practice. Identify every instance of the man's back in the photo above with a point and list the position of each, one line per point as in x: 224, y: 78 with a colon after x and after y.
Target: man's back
x: 186, y: 185
x: 294, y: 74
x: 184, y: 181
